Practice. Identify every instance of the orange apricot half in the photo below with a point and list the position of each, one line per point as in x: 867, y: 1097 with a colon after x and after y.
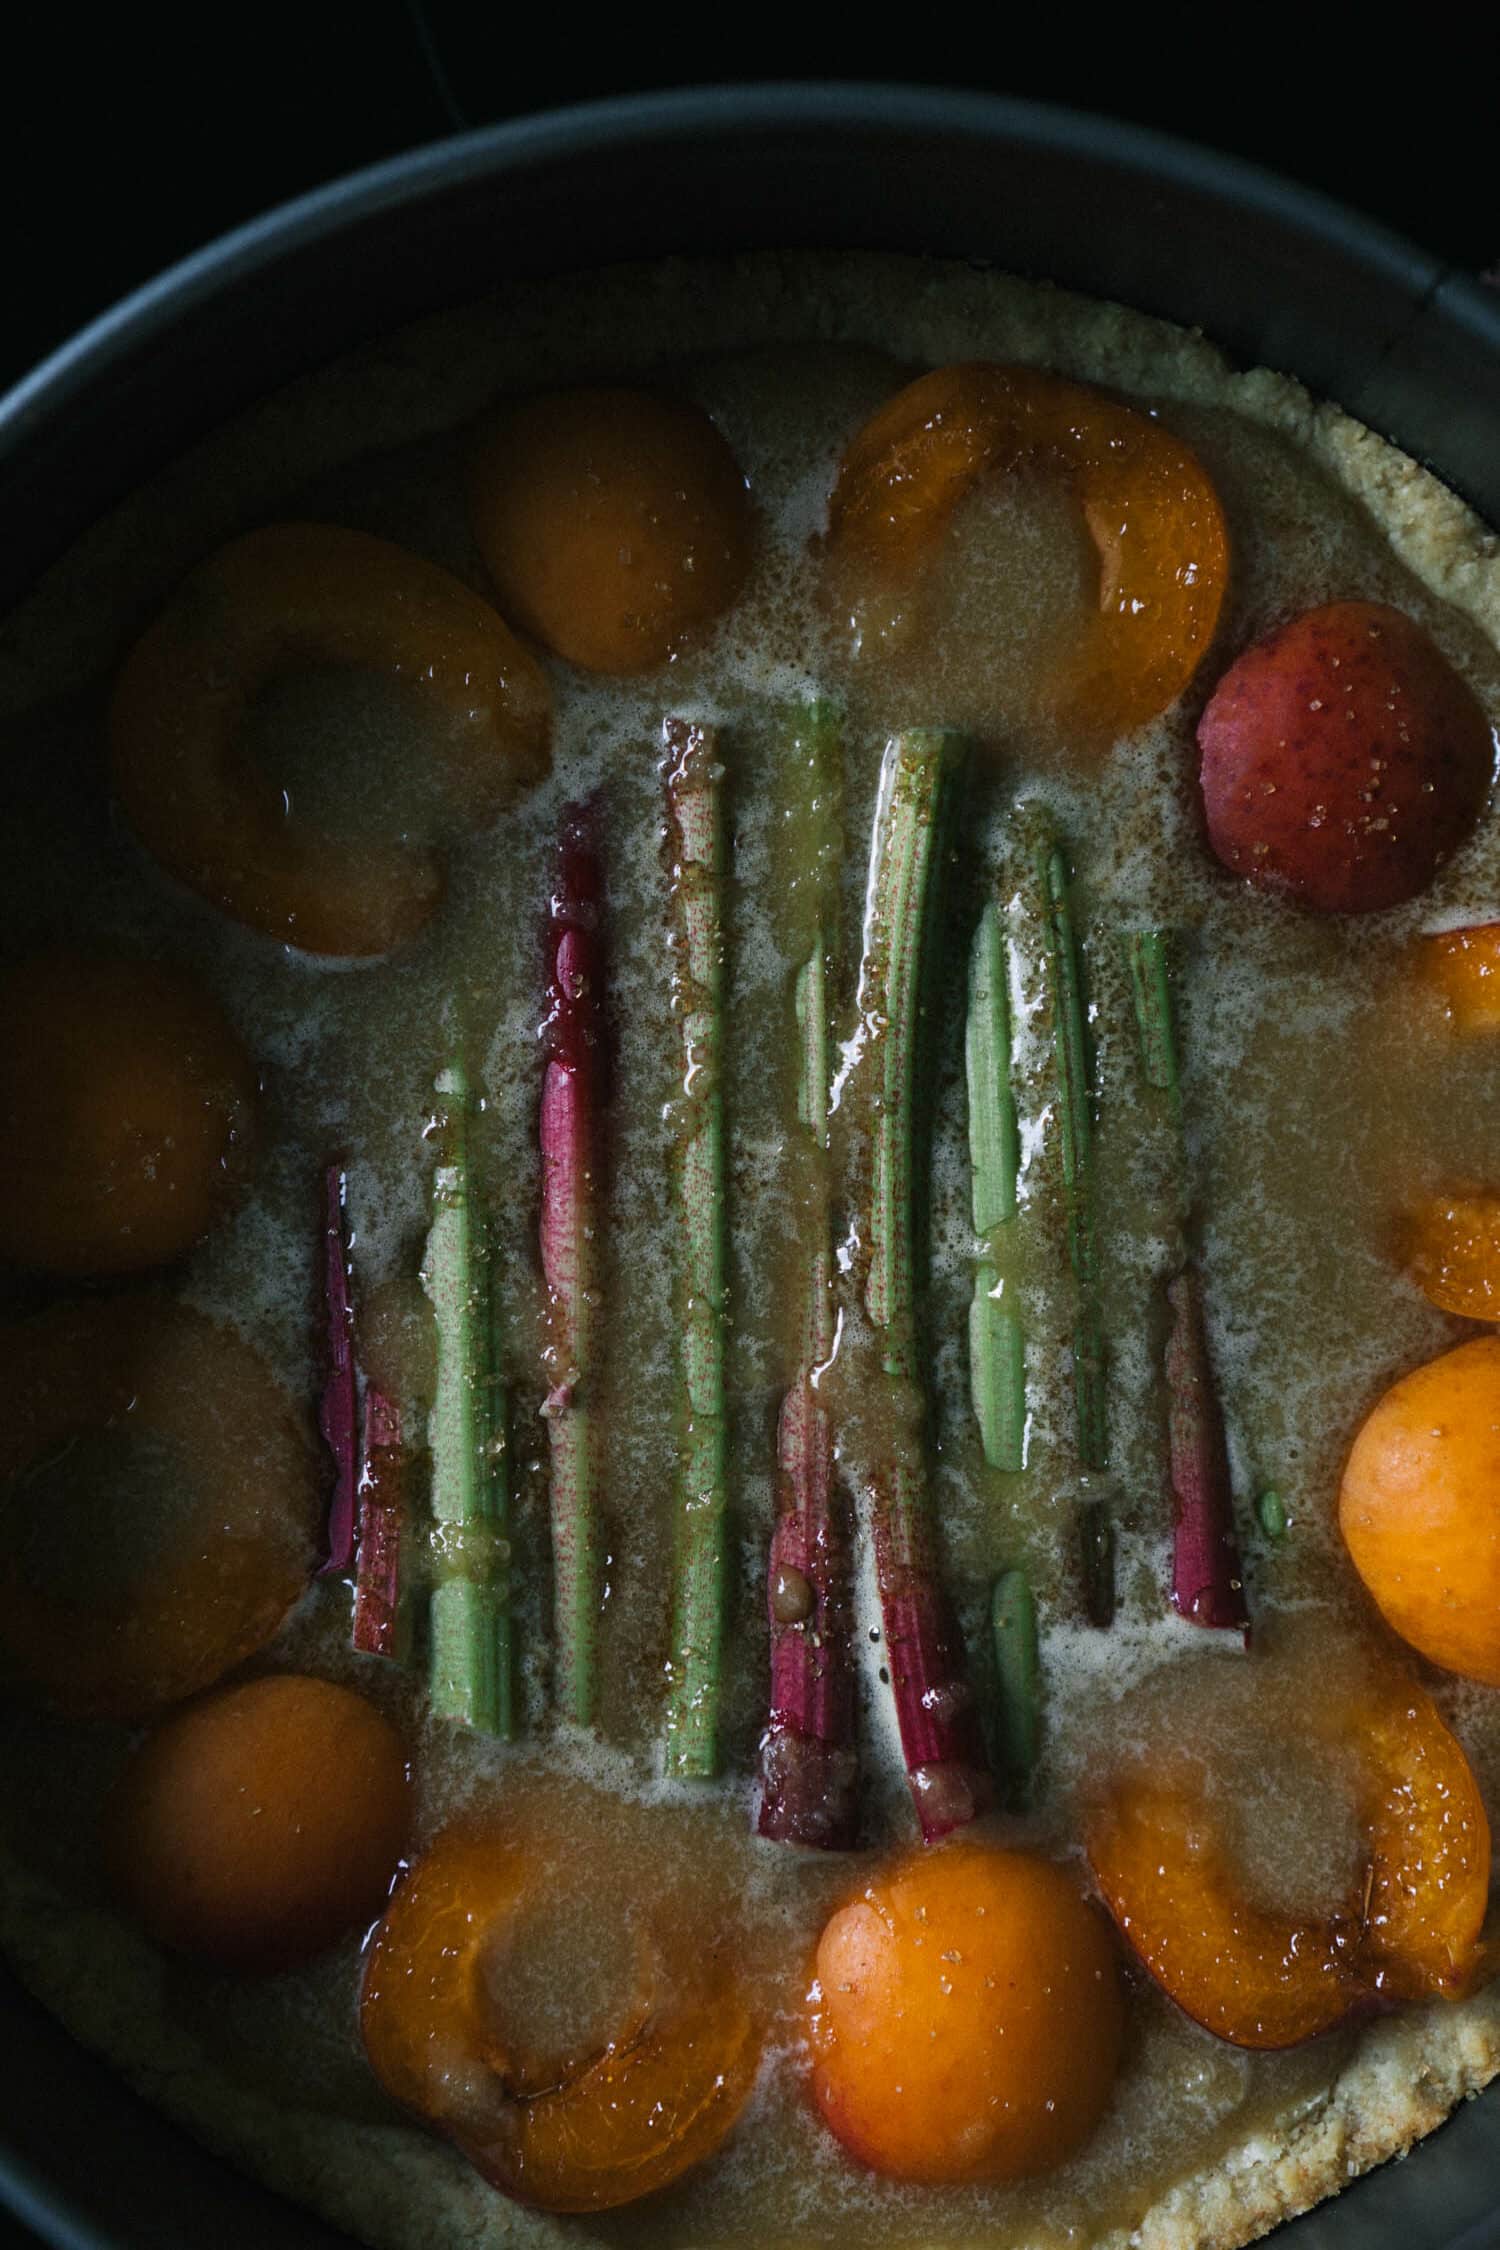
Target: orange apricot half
x: 236, y: 1544
x: 1149, y: 505
x: 615, y: 523
x: 965, y: 2017
x: 296, y: 596
x: 1464, y: 968
x: 1261, y: 1978
x: 630, y: 2106
x: 127, y: 1112
x: 1419, y: 1508
x: 1453, y: 1253
x: 258, y: 1825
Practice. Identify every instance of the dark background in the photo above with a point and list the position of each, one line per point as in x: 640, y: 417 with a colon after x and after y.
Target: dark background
x: 134, y: 138
x: 128, y: 143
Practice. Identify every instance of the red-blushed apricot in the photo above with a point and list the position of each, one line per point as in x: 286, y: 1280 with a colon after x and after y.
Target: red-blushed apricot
x: 965, y: 2017
x: 1419, y: 1508
x: 1408, y: 1929
x: 615, y: 524
x: 127, y: 1114
x: 292, y: 597
x: 1464, y: 967
x: 232, y: 1556
x: 1453, y: 1253
x: 645, y: 2086
x: 1343, y: 759
x: 258, y: 1826
x: 1150, y: 508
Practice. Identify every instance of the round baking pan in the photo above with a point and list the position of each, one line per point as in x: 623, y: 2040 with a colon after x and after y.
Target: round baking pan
x: 1277, y: 276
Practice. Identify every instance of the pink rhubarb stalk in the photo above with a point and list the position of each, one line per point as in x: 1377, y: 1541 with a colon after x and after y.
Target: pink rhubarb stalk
x: 941, y: 1740
x: 382, y: 1515
x: 338, y: 1406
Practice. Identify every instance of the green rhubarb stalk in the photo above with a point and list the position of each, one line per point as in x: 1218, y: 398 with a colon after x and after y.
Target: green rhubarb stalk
x: 694, y: 794
x: 1018, y: 1714
x: 940, y: 1738
x: 997, y: 1355
x: 469, y: 1626
x: 1075, y: 1129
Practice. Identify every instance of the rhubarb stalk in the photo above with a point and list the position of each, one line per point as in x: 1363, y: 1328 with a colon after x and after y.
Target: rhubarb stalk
x: 997, y: 1352
x: 571, y: 1152
x: 809, y: 1766
x: 694, y: 789
x: 940, y: 1737
x: 379, y: 1612
x: 1018, y: 1696
x: 469, y: 1613
x: 338, y: 1406
x: 1073, y: 1070
x: 1207, y: 1583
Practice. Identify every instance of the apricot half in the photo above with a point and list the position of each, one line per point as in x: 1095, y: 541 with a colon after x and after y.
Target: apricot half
x: 233, y: 1504
x: 1453, y: 1253
x: 257, y: 1826
x: 1149, y: 505
x: 127, y: 1112
x: 1262, y: 1978
x: 577, y: 2118
x: 1419, y: 1508
x: 965, y: 2017
x: 615, y: 523
x: 1343, y: 759
x: 298, y: 596
x: 1464, y: 966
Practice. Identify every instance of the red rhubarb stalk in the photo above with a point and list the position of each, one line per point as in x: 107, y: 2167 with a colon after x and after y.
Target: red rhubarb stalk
x: 1207, y: 1586
x: 378, y: 1614
x: 338, y: 1406
x: 941, y: 1741
x: 573, y: 1092
x: 809, y: 1767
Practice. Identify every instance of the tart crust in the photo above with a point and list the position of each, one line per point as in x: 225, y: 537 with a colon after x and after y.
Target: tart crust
x: 384, y: 2180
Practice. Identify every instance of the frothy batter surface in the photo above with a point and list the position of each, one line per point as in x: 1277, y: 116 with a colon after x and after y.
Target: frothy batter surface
x: 1323, y: 1097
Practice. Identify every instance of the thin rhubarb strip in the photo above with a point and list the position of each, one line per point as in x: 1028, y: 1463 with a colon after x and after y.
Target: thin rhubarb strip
x: 469, y: 1653
x: 997, y: 1353
x: 941, y: 1743
x: 809, y: 1766
x: 571, y: 1151
x: 1018, y: 1684
x: 693, y: 781
x: 1207, y: 1580
x: 379, y: 1611
x: 1075, y: 1124
x: 338, y: 1404
x: 1207, y: 1583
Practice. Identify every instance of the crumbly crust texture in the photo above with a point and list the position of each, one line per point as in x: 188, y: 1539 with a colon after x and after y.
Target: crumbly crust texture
x: 385, y: 2180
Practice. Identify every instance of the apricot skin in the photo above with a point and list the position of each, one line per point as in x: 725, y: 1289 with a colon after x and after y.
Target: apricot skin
x: 1343, y: 759
x: 255, y: 1828
x: 299, y: 595
x: 611, y: 2127
x: 614, y: 523
x: 1148, y: 504
x: 1464, y: 966
x: 142, y: 1363
x: 1260, y: 1978
x: 1453, y: 1254
x: 965, y: 2019
x: 127, y: 1114
x: 1419, y: 1508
